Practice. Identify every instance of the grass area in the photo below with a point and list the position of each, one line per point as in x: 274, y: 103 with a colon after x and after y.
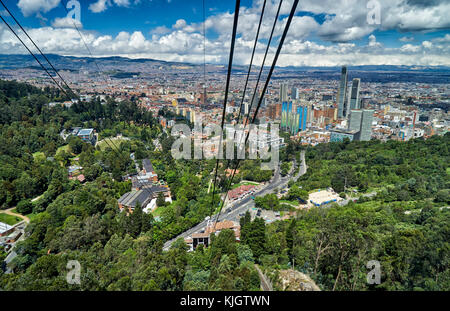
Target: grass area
x: 9, y: 219
x: 159, y: 210
x: 111, y: 141
x: 244, y: 183
x: 289, y: 202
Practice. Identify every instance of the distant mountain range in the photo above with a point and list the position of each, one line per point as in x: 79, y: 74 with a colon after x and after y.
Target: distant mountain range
x: 122, y: 67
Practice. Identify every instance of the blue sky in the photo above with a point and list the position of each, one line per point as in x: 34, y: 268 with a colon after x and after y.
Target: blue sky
x: 323, y: 32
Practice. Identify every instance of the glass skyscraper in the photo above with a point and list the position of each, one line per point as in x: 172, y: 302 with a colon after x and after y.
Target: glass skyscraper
x: 342, y: 93
x: 354, y: 96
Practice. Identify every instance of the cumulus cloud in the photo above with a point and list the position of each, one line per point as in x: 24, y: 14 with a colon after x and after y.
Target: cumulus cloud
x: 406, y: 39
x: 102, y: 5
x: 66, y: 22
x: 29, y: 7
x: 98, y: 6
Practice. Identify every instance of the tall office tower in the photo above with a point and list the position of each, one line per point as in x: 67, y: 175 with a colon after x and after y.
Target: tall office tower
x: 342, y: 93
x: 361, y: 122
x: 284, y: 111
x: 366, y: 125
x: 302, y: 115
x: 246, y: 108
x: 292, y: 117
x: 283, y: 92
x: 203, y: 97
x: 295, y: 94
x: 354, y: 96
x: 355, y: 120
x: 277, y: 110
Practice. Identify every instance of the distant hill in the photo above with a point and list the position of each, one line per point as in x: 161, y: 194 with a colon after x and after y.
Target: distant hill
x: 122, y: 66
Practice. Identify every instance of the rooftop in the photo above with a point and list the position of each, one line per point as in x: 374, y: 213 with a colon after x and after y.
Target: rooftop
x: 85, y: 132
x: 147, y: 165
x: 4, y: 227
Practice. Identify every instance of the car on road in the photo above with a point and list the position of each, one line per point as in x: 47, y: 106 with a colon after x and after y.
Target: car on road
x: 258, y: 213
x: 241, y: 214
x: 207, y: 218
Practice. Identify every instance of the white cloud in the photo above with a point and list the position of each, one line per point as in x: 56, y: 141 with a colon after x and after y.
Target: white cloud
x: 98, y: 6
x: 102, y: 5
x: 29, y: 7
x: 66, y: 22
x: 406, y: 39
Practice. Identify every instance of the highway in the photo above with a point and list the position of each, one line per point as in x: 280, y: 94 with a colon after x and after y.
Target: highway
x: 232, y: 211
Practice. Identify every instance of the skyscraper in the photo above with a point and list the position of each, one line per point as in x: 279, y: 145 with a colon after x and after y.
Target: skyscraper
x: 283, y: 92
x: 295, y: 93
x: 302, y: 114
x: 342, y: 93
x: 355, y: 120
x: 284, y: 111
x: 366, y: 125
x: 361, y: 121
x: 354, y: 96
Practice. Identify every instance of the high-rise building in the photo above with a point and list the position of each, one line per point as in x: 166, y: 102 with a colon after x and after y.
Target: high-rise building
x: 246, y: 108
x: 366, y: 125
x: 302, y: 115
x: 286, y: 111
x: 342, y: 93
x: 274, y: 111
x: 361, y: 122
x: 354, y: 95
x: 277, y: 110
x: 283, y: 92
x: 295, y: 94
x: 355, y: 120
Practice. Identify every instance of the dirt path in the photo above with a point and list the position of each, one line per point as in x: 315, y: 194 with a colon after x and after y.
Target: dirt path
x: 10, y: 212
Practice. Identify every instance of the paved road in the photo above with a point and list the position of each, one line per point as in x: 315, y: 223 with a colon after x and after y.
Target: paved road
x: 232, y: 211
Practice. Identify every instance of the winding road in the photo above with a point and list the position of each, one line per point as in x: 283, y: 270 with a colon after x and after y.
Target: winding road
x: 232, y: 211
